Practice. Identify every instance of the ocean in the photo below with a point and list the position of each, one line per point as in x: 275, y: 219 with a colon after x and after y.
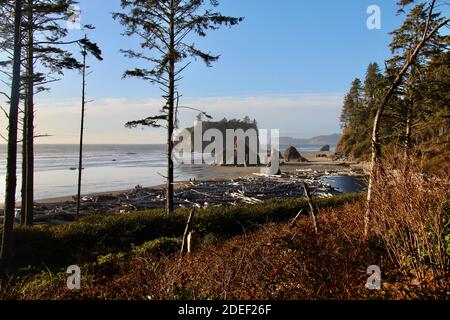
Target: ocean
x: 106, y: 168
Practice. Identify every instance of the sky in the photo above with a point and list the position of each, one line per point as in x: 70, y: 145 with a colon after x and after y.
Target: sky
x: 288, y: 64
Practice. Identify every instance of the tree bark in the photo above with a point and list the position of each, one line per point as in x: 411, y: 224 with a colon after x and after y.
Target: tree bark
x: 408, y: 133
x: 170, y: 117
x: 23, y: 201
x: 376, y: 146
x: 29, y: 154
x: 11, y: 175
x: 80, y: 159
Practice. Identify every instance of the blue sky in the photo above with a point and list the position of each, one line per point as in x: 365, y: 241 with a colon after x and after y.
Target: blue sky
x: 288, y: 65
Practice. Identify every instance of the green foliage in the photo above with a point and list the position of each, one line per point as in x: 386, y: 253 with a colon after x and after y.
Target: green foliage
x: 358, y: 113
x: 447, y: 244
x: 110, y: 258
x: 211, y: 239
x: 417, y: 116
x: 182, y: 293
x: 166, y: 30
x: 43, y: 283
x: 162, y: 246
x: 110, y: 263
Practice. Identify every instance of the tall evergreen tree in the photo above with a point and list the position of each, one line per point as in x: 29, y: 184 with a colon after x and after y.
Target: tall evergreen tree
x: 46, y: 56
x: 373, y: 87
x: 165, y: 28
x: 405, y: 39
x: 44, y: 18
x: 353, y: 105
x: 10, y: 190
x: 86, y: 48
x: 428, y: 32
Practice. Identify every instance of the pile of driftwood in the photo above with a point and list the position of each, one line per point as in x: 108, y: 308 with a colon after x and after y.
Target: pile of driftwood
x: 200, y: 194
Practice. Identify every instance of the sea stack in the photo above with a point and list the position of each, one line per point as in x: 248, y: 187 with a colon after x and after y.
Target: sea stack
x: 325, y: 148
x: 292, y: 155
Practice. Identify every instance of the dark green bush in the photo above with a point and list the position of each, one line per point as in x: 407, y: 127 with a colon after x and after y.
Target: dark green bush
x: 161, y: 246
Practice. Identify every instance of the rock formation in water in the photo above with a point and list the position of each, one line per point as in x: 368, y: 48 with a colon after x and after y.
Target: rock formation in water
x: 325, y: 148
x: 292, y: 155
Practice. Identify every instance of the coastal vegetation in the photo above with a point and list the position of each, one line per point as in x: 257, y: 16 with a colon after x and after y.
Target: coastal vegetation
x: 395, y: 126
x: 165, y: 28
x: 248, y: 127
x: 249, y: 252
x: 416, y: 118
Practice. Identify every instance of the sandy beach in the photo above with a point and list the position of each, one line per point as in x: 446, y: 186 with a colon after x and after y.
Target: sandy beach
x: 319, y: 163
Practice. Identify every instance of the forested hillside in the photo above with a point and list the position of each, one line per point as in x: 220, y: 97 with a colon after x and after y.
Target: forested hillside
x: 417, y: 119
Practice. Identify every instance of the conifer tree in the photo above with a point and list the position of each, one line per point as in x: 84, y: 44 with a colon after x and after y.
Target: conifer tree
x: 411, y: 90
x: 165, y: 28
x: 428, y: 32
x: 10, y: 190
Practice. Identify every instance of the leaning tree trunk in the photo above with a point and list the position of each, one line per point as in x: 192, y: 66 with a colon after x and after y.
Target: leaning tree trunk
x: 374, y: 167
x: 376, y: 146
x: 29, y: 154
x: 170, y: 117
x: 11, y: 167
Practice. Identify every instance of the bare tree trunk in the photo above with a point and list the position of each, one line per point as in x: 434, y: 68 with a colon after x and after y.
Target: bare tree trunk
x: 11, y: 175
x: 191, y: 242
x: 187, y: 230
x: 29, y: 154
x: 311, y: 207
x: 80, y: 159
x: 23, y: 201
x: 408, y: 133
x: 294, y: 221
x: 170, y: 118
x: 376, y: 146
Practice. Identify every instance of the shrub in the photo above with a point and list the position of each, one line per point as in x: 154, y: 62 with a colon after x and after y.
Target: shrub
x: 412, y: 218
x: 162, y: 246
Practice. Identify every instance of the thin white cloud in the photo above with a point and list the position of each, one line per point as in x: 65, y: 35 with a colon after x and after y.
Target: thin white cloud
x: 307, y: 114
x: 269, y: 101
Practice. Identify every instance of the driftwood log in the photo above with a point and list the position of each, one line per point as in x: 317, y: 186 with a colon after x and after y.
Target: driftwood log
x: 201, y: 194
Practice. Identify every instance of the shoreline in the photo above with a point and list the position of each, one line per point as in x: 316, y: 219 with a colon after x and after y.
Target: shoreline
x: 235, y: 172
x: 316, y: 165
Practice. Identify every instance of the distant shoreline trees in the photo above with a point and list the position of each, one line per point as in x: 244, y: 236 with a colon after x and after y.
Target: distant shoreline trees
x: 10, y: 192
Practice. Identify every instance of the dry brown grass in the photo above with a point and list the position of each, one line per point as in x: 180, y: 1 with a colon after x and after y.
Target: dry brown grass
x: 288, y: 261
x: 276, y: 262
x: 411, y: 216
